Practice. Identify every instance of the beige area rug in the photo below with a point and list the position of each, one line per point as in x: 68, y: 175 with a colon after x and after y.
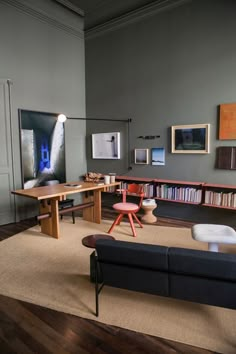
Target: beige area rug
x: 55, y: 274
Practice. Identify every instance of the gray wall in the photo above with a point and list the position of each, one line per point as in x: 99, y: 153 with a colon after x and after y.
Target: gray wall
x: 42, y: 53
x: 172, y: 68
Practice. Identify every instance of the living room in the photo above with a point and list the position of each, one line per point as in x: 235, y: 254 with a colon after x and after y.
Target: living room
x: 160, y: 67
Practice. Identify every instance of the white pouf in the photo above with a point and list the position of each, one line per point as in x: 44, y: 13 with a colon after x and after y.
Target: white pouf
x: 214, y: 234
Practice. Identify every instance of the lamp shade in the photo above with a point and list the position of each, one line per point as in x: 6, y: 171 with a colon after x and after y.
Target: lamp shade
x: 61, y: 118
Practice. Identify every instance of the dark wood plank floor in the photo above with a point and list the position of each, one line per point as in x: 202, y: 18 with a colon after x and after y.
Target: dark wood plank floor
x: 27, y: 328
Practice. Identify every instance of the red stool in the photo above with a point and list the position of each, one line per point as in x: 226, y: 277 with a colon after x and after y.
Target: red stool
x: 130, y: 209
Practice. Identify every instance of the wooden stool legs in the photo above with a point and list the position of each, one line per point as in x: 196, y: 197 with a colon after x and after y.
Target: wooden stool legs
x: 130, y: 217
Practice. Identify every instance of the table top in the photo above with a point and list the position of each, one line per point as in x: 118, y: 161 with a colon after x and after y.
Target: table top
x: 90, y: 240
x: 62, y: 189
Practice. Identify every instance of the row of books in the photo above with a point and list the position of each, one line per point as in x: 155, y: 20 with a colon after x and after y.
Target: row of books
x: 146, y: 188
x: 225, y: 199
x: 185, y: 194
x: 165, y: 191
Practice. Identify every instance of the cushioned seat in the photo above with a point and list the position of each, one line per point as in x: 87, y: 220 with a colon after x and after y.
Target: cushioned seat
x: 214, y: 234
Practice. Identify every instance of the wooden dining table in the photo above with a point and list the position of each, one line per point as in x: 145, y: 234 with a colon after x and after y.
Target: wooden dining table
x: 49, y: 196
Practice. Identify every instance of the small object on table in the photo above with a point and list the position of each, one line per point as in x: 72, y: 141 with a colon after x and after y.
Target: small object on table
x: 90, y: 241
x: 214, y: 234
x: 112, y: 177
x: 72, y: 185
x: 148, y: 205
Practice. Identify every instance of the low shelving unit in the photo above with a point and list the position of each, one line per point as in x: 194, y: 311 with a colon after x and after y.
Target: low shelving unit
x: 219, y: 196
x: 178, y: 191
x: 187, y: 192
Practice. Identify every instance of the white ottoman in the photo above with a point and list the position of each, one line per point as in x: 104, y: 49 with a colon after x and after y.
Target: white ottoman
x: 213, y: 234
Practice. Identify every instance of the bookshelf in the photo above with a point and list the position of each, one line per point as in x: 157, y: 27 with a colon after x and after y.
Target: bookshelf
x: 146, y: 183
x: 186, y: 192
x: 178, y: 191
x: 219, y: 196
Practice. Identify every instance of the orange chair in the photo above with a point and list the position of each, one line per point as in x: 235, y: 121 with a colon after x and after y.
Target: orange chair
x: 128, y: 208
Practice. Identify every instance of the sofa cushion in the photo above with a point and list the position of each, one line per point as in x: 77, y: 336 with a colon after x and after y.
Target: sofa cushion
x: 203, y: 290
x: 133, y: 254
x: 133, y: 278
x: 202, y: 263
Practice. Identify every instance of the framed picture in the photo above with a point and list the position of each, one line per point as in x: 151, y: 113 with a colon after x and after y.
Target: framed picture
x: 190, y: 139
x: 141, y: 156
x: 158, y: 156
x: 227, y: 129
x: 42, y: 148
x: 106, y: 146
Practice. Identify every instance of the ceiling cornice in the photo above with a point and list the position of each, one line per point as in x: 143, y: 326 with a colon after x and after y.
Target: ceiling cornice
x: 70, y: 6
x: 40, y: 12
x: 133, y: 16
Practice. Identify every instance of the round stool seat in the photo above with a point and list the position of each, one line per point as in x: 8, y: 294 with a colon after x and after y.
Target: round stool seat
x: 214, y: 234
x: 126, y: 207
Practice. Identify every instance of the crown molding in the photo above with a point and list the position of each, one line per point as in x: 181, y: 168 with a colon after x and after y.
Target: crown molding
x: 134, y: 16
x: 71, y: 6
x: 50, y: 17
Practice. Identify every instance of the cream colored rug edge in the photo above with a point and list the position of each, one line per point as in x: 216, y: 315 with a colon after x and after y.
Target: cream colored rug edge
x: 55, y: 274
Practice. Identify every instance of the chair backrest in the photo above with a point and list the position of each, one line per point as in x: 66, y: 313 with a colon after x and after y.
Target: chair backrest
x: 134, y: 189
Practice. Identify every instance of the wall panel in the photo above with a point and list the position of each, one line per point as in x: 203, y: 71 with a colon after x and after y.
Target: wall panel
x: 6, y: 174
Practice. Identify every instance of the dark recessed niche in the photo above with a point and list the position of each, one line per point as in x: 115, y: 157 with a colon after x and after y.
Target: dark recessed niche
x: 226, y: 158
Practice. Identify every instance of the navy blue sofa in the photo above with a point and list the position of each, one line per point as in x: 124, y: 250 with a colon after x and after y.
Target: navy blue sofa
x: 192, y: 275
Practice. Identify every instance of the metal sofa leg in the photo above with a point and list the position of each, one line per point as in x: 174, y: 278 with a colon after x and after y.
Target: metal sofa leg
x: 96, y: 288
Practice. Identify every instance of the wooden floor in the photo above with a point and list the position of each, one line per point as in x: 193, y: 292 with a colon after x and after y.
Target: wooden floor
x: 27, y: 328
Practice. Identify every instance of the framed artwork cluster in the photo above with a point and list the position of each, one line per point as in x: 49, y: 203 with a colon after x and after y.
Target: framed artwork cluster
x: 155, y: 156
x: 225, y: 155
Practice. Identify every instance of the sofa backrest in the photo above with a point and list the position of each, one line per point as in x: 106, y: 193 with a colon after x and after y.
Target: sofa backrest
x: 133, y: 254
x: 221, y: 266
x: 134, y: 266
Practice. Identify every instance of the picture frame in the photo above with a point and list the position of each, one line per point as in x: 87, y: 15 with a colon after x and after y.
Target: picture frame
x: 158, y: 156
x: 227, y: 126
x: 42, y: 148
x: 106, y: 146
x: 190, y: 139
x: 141, y: 156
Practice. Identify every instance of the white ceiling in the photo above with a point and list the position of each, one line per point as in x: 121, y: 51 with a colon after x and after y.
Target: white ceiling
x: 97, y: 12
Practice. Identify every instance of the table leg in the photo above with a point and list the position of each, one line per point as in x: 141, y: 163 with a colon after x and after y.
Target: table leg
x: 55, y: 218
x: 93, y: 214
x: 88, y: 213
x: 97, y: 206
x: 50, y: 226
x: 213, y: 247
